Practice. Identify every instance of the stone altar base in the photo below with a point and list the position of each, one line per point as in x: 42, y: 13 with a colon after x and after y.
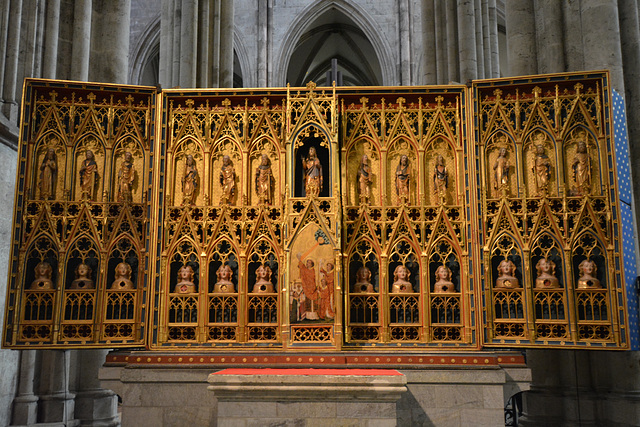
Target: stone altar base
x: 454, y: 389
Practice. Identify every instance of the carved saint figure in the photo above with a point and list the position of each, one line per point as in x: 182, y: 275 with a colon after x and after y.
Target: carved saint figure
x: 48, y: 175
x: 185, y: 283
x: 363, y: 280
x: 401, y: 282
x: 443, y: 280
x: 542, y: 170
x: 88, y: 176
x: 501, y: 170
x: 364, y: 179
x: 587, y: 280
x: 83, y: 278
x: 506, y: 275
x: 264, y: 180
x: 581, y: 166
x: 224, y: 283
x: 403, y: 179
x: 440, y: 177
x: 122, y: 281
x: 189, y: 181
x: 325, y: 291
x: 313, y: 174
x: 263, y: 280
x: 43, y: 277
x: 227, y: 181
x: 126, y: 176
x: 546, y: 270
x: 309, y: 288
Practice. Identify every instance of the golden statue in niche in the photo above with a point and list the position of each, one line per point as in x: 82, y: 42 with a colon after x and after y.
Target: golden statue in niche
x: 546, y: 270
x: 541, y: 167
x: 185, y: 283
x: 126, y: 176
x: 88, y: 176
x: 581, y: 166
x: 49, y: 175
x: 83, y: 278
x: 401, y: 282
x: 443, y: 280
x: 364, y: 179
x: 227, y: 181
x: 312, y: 174
x: 363, y: 280
x: 506, y: 275
x: 43, y: 280
x: 264, y: 181
x: 440, y: 178
x: 263, y: 280
x: 122, y: 281
x: 501, y: 171
x: 403, y: 179
x: 224, y: 283
x: 587, y: 280
x: 189, y: 181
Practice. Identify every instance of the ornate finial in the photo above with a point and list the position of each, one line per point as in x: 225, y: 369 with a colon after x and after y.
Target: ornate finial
x: 439, y: 100
x: 265, y: 102
x: 498, y: 94
x: 311, y: 86
x: 129, y: 100
x: 53, y: 95
x: 91, y: 97
x: 226, y: 102
x: 401, y: 101
x: 578, y: 87
x: 189, y: 103
x: 364, y: 101
x: 537, y: 91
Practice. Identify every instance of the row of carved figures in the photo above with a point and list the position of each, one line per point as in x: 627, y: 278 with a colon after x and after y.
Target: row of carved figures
x: 224, y: 282
x: 83, y: 280
x: 546, y: 275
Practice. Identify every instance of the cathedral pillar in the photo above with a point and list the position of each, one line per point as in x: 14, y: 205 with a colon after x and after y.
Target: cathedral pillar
x: 110, y: 61
x: 549, y: 37
x: 25, y: 404
x: 188, y: 34
x: 52, y: 28
x: 202, y: 46
x: 467, y: 40
x: 92, y: 402
x: 521, y: 37
x: 450, y: 41
x: 493, y: 39
x: 56, y: 401
x: 81, y: 47
x: 226, y: 43
x: 405, y: 43
x: 479, y: 24
x: 429, y: 56
x: 165, y: 66
x: 10, y: 83
x: 441, y: 42
x: 263, y: 25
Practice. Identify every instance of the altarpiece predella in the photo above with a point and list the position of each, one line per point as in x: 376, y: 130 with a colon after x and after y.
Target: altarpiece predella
x: 343, y: 217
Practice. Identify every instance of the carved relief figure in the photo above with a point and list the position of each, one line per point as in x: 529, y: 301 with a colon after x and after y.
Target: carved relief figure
x: 312, y: 174
x: 309, y: 288
x: 401, y: 282
x: 364, y: 179
x: 506, y: 275
x: 325, y: 293
x: 264, y: 180
x: 542, y: 170
x: 263, y: 280
x: 185, y: 283
x: 403, y: 179
x: 501, y: 170
x: 126, y: 176
x: 546, y: 270
x: 83, y: 278
x: 123, y: 277
x: 49, y: 175
x: 363, y: 280
x: 189, y: 181
x: 581, y: 166
x: 43, y: 277
x: 88, y: 176
x: 227, y: 181
x: 224, y: 283
x: 440, y: 177
x: 587, y: 280
x: 443, y: 280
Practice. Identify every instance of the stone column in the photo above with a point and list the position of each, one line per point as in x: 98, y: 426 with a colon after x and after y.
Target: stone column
x: 52, y: 27
x: 405, y: 44
x: 10, y: 83
x: 493, y: 39
x: 573, y: 49
x: 486, y: 40
x: 80, y: 49
x: 441, y: 25
x: 429, y: 43
x: 56, y: 401
x: 110, y: 61
x: 214, y: 45
x: 479, y: 39
x: 263, y: 24
x: 175, y: 51
x: 521, y: 37
x: 94, y: 404
x: 549, y: 36
x: 202, y: 39
x: 166, y: 44
x: 467, y: 40
x: 25, y: 404
x: 451, y: 42
x: 188, y: 34
x: 226, y: 43
x: 4, y: 24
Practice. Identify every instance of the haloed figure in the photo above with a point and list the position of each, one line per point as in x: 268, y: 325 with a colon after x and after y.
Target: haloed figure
x: 403, y: 179
x: 227, y: 181
x: 364, y: 179
x: 48, y: 175
x: 189, y: 181
x: 126, y: 176
x: 88, y: 176
x: 264, y: 180
x: 312, y: 174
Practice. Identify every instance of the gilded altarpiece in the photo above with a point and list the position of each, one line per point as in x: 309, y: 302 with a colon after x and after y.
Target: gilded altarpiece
x: 342, y: 218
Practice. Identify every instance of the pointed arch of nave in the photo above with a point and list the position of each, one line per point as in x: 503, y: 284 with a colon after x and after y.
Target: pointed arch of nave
x: 359, y: 17
x: 145, y: 56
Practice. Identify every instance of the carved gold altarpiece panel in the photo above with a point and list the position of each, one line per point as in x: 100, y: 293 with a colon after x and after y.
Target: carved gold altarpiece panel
x: 446, y: 217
